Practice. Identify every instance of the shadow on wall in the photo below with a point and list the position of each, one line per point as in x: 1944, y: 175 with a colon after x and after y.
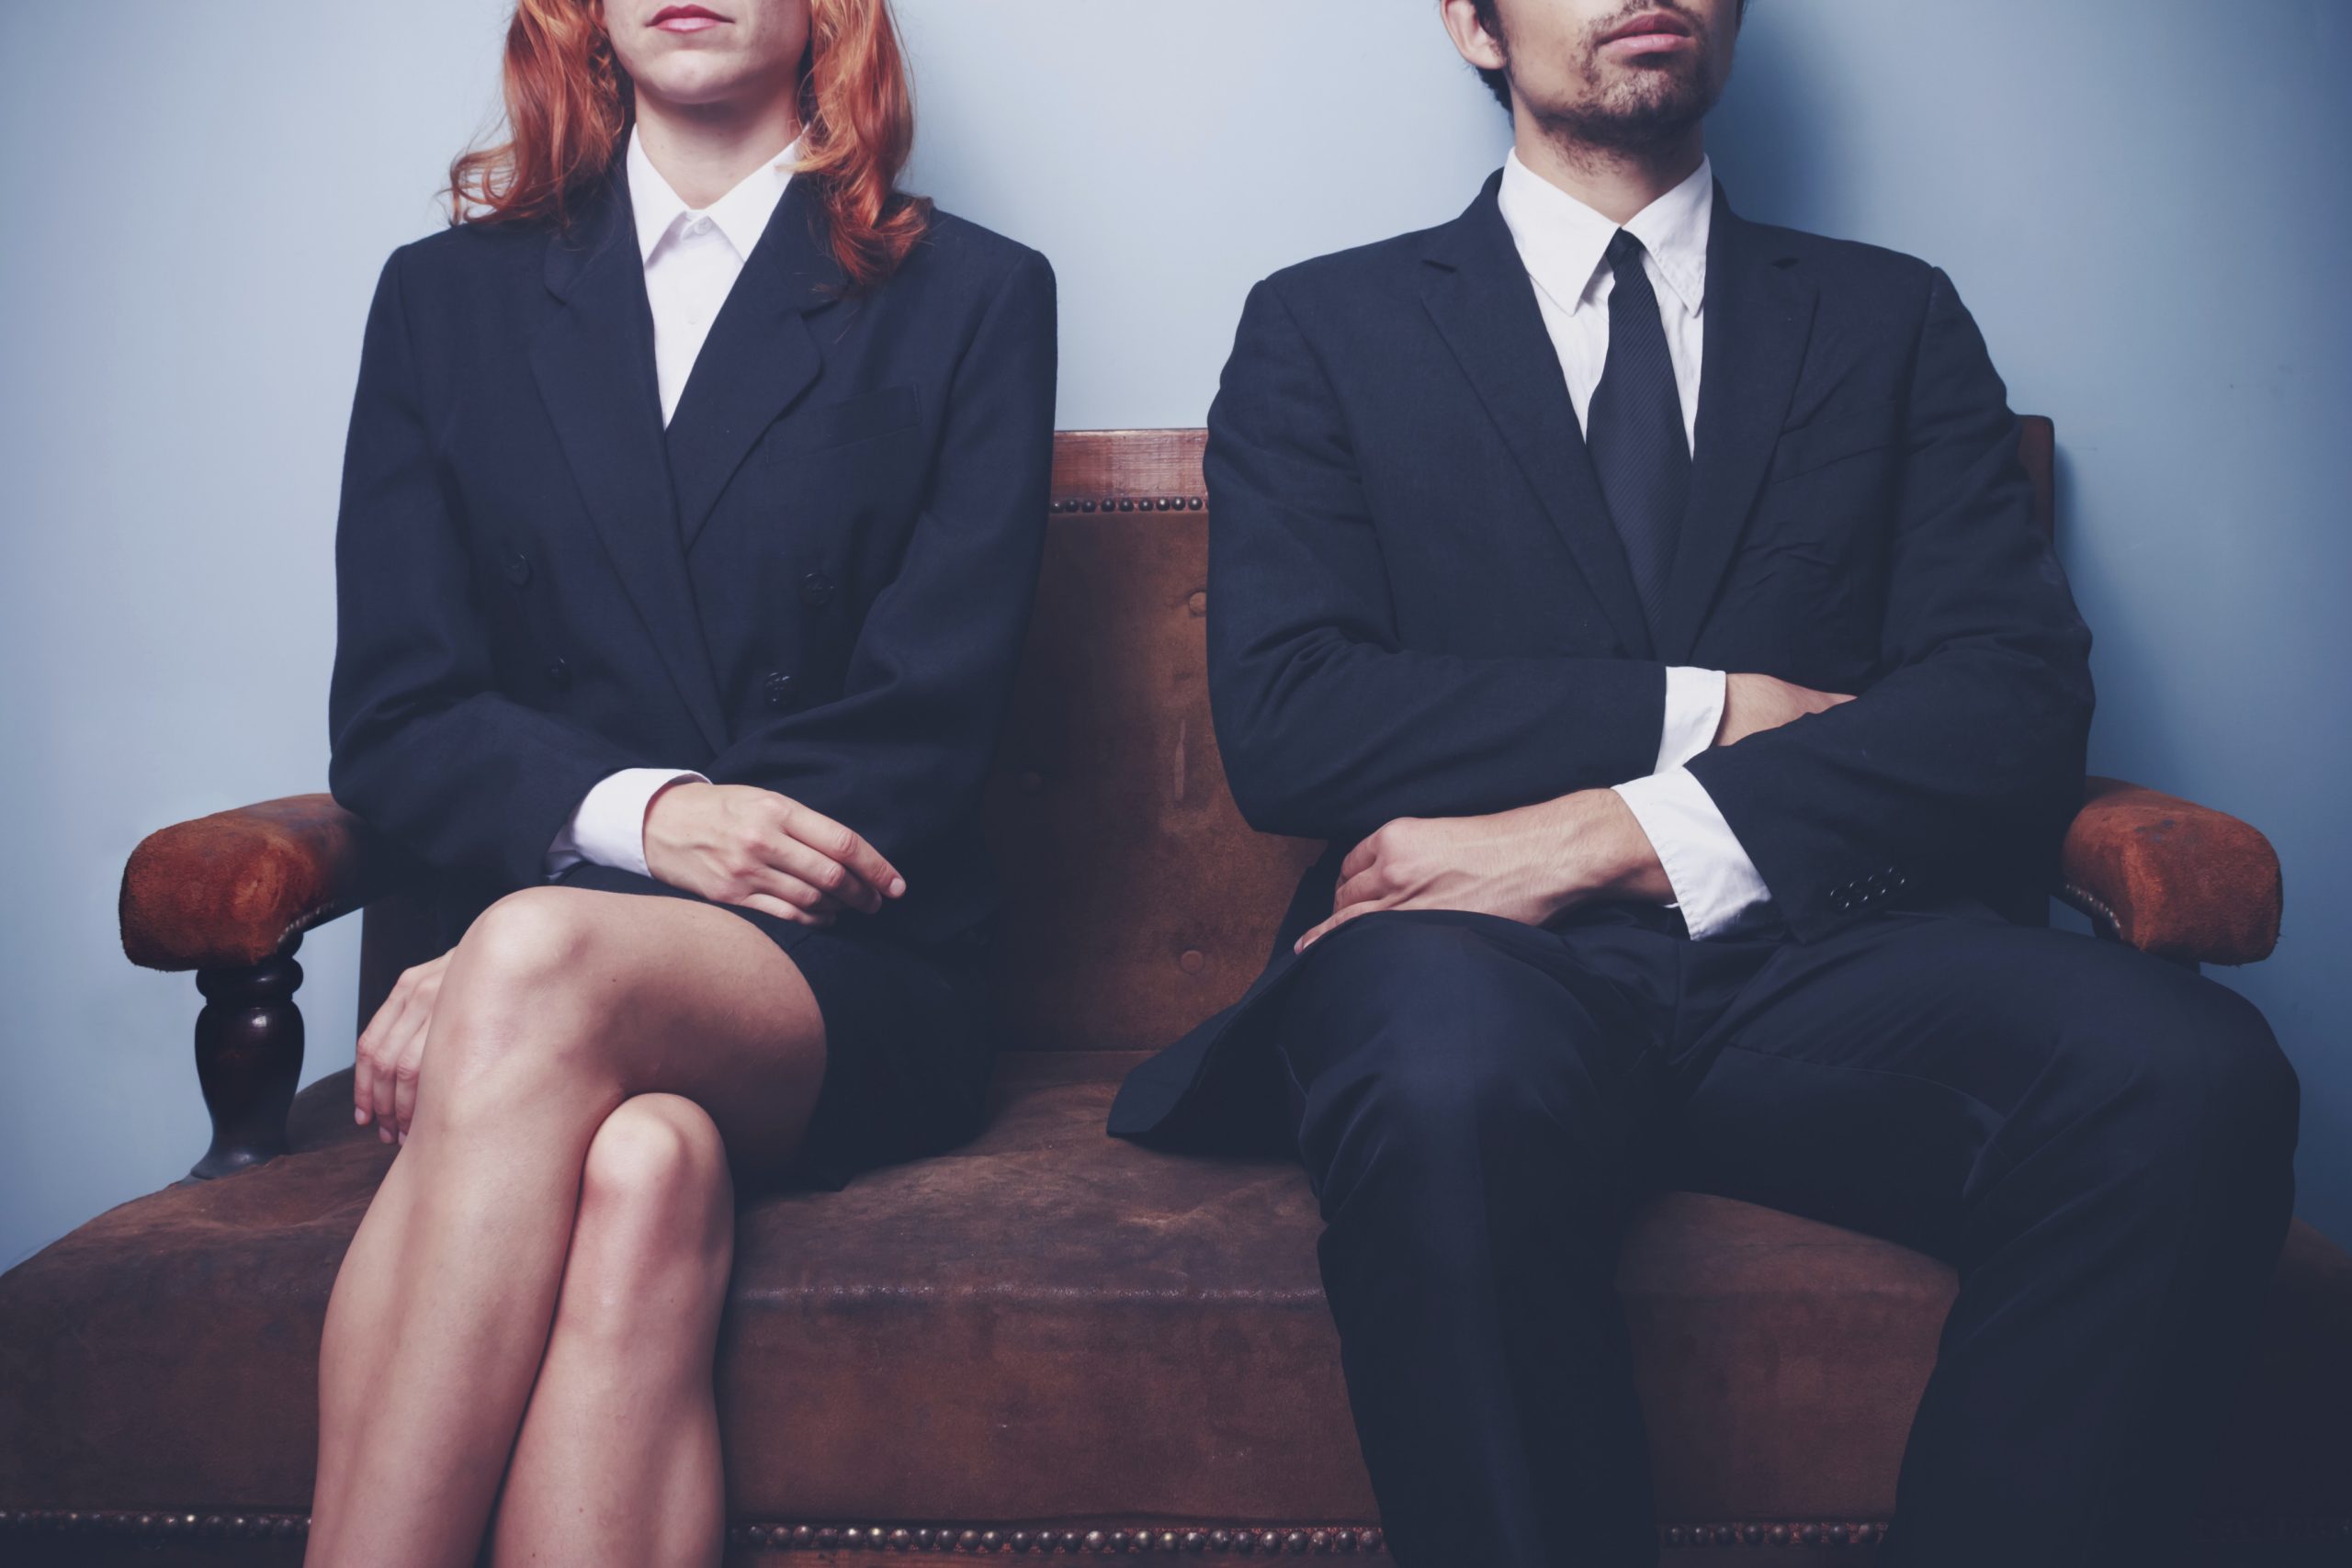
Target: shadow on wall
x: 1772, y: 138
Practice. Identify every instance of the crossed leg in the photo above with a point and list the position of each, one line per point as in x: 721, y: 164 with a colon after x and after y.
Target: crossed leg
x: 539, y: 1276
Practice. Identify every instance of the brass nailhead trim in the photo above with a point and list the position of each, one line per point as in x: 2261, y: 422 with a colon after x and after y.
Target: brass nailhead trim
x: 1127, y: 504
x: 1294, y: 1540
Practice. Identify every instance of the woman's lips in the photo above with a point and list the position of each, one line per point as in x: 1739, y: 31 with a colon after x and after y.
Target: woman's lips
x: 685, y: 19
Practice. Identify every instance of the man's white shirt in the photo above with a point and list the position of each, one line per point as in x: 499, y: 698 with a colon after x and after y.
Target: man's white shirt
x: 1563, y: 245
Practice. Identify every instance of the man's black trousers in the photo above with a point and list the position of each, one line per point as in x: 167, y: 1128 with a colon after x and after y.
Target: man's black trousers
x: 2101, y: 1143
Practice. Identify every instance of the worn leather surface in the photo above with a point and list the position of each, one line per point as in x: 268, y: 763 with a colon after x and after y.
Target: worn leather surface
x: 233, y: 887
x: 1050, y: 1323
x: 1138, y: 900
x: 2174, y: 878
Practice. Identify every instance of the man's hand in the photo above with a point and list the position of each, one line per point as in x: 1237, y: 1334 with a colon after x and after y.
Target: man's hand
x: 391, y: 1049
x: 1753, y: 703
x: 740, y: 844
x: 1526, y: 865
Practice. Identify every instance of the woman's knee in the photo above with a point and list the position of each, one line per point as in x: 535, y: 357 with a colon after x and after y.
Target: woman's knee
x: 657, y: 1195
x: 516, y: 979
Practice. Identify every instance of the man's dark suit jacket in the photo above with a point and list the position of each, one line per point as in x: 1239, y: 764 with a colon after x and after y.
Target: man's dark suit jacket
x: 815, y: 579
x: 1418, y: 607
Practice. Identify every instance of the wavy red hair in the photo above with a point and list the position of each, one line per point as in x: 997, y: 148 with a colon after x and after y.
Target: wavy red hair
x: 568, y: 103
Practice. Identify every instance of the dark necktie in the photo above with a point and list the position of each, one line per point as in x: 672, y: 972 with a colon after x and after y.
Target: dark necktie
x: 1634, y: 429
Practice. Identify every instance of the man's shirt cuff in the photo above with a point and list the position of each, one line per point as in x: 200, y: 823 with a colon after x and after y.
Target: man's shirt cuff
x: 1715, y: 883
x: 1694, y: 711
x: 609, y: 826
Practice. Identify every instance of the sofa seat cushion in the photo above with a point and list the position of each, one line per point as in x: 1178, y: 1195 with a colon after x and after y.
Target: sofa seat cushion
x: 1047, y: 1324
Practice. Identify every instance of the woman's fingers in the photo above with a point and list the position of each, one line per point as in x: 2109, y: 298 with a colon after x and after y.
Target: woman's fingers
x: 770, y: 905
x: 839, y: 843
x: 368, y: 1056
x: 394, y: 1038
x: 785, y: 888
x: 399, y: 1052
x: 405, y: 1076
x: 805, y: 865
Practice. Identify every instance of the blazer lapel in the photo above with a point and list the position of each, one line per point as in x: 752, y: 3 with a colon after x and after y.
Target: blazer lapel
x: 1758, y: 315
x: 760, y: 355
x: 593, y: 361
x: 1479, y: 293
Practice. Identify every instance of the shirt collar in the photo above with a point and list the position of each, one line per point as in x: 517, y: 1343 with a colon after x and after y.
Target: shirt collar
x: 1563, y: 243
x: 741, y: 214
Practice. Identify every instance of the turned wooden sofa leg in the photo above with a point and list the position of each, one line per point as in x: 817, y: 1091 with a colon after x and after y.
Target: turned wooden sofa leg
x: 248, y: 1059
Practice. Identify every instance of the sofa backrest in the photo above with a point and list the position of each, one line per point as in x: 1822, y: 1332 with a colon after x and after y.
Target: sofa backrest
x: 1139, y: 902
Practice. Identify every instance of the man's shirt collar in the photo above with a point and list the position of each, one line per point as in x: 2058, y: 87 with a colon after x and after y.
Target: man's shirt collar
x: 1563, y: 243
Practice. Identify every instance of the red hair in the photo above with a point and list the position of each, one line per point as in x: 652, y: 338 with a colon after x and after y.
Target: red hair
x: 568, y: 103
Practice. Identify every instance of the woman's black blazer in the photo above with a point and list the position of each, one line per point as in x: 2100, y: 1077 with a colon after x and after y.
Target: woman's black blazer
x: 815, y: 579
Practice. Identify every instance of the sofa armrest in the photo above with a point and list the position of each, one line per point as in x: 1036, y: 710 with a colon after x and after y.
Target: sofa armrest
x: 2171, y: 877
x: 238, y: 886
x: 229, y: 896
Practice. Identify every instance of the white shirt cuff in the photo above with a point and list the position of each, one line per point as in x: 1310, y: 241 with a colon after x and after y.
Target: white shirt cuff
x: 1694, y: 711
x: 608, y: 826
x: 1715, y: 883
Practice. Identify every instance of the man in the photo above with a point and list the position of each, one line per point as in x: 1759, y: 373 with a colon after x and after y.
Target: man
x: 1646, y: 604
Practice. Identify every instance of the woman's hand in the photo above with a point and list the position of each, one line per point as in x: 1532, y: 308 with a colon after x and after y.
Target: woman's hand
x: 391, y: 1049
x: 740, y: 844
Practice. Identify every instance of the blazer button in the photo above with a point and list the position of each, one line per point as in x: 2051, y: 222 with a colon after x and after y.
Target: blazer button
x: 777, y: 688
x: 559, y: 672
x: 518, y: 568
x: 816, y: 589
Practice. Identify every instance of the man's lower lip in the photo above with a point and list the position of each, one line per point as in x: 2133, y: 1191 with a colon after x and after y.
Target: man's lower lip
x: 1650, y: 43
x: 687, y: 24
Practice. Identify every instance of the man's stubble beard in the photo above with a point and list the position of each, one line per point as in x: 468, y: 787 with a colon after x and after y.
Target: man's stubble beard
x: 1646, y: 107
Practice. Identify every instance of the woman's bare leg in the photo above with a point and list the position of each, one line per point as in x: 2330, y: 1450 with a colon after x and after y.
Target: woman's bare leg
x: 619, y: 1459
x: 560, y: 1004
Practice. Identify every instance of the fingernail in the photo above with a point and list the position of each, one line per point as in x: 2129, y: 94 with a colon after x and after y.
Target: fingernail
x: 403, y: 1135
x: 359, y: 1114
x: 898, y: 885
x: 384, y: 1134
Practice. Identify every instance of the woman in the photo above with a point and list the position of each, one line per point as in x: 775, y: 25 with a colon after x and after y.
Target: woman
x: 684, y: 684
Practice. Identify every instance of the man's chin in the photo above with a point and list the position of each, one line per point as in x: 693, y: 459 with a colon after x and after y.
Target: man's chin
x: 1642, y: 107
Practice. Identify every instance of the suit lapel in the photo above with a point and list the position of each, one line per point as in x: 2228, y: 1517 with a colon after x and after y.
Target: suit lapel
x: 760, y: 355
x: 593, y: 361
x: 1479, y: 293
x: 1758, y: 315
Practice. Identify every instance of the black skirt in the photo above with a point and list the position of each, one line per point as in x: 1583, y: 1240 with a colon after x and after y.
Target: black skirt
x: 910, y: 1034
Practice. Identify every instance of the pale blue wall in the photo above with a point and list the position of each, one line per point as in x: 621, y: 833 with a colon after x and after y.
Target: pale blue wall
x: 2143, y: 204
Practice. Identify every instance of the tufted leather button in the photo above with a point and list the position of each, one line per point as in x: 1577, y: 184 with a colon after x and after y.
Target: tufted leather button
x: 776, y: 689
x: 1192, y: 961
x: 559, y: 672
x: 816, y: 589
x: 518, y: 567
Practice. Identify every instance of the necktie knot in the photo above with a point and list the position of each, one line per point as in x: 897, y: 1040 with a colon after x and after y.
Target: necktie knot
x: 1624, y: 250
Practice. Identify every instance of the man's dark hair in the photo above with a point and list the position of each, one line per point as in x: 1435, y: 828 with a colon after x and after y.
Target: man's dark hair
x: 1498, y: 84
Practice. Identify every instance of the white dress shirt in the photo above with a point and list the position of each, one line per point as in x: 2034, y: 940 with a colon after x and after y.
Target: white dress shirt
x: 692, y: 259
x: 1563, y: 245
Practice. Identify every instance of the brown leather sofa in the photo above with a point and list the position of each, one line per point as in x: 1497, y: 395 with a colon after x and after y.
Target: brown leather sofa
x: 1051, y: 1341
